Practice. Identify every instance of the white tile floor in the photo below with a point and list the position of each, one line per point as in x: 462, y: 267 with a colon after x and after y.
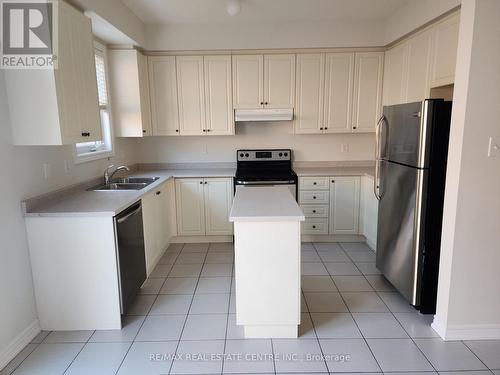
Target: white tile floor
x: 353, y: 321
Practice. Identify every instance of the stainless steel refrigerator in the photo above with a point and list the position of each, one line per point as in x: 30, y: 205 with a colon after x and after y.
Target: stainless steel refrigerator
x: 412, y: 148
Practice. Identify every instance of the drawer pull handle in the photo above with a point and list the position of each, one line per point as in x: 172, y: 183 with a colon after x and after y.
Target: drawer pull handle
x: 314, y: 211
x: 314, y: 197
x: 314, y: 183
x: 314, y: 226
x: 333, y: 181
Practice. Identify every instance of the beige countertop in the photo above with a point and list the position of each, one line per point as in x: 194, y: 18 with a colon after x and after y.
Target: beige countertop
x: 78, y: 201
x: 334, y: 171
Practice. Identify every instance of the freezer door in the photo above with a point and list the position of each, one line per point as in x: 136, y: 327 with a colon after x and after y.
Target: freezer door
x: 406, y: 132
x: 401, y: 227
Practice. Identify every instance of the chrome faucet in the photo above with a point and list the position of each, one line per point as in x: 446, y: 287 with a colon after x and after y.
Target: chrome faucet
x: 108, y: 177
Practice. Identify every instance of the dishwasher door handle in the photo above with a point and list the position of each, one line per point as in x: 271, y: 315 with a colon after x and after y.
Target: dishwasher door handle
x: 122, y: 219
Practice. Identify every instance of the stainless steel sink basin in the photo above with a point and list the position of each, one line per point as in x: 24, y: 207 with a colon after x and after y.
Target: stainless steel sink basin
x: 127, y: 183
x: 138, y: 180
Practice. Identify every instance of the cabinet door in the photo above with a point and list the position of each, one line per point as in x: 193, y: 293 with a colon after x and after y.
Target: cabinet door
x: 445, y: 51
x: 367, y: 91
x: 248, y: 81
x: 339, y: 77
x: 395, y: 74
x: 190, y: 206
x: 191, y: 95
x: 163, y: 89
x: 344, y: 205
x: 218, y: 95
x: 150, y: 222
x: 309, y: 93
x: 419, y: 53
x: 218, y: 199
x: 279, y: 81
x: 90, y: 121
x: 76, y: 79
x: 145, y: 102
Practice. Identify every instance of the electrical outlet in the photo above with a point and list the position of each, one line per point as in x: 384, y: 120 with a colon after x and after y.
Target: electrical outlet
x: 67, y: 166
x: 46, y: 171
x: 494, y: 147
x: 344, y: 147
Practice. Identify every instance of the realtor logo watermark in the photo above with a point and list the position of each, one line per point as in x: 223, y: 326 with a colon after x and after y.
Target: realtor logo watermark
x: 29, y: 34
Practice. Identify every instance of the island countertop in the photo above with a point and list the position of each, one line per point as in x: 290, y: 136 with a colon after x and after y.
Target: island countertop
x: 273, y: 203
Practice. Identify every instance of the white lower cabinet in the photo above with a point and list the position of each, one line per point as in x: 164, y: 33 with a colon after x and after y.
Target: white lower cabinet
x: 331, y: 205
x: 203, y: 206
x: 344, y: 205
x: 159, y: 225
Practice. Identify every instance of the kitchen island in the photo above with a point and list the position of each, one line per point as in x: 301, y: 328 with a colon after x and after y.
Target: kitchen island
x: 267, y: 261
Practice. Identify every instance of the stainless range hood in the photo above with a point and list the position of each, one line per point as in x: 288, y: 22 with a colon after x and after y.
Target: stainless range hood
x: 263, y: 114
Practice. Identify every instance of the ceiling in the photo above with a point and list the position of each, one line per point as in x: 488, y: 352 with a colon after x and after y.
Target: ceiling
x: 214, y: 11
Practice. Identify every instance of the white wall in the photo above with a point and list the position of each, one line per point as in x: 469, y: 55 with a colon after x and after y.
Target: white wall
x: 413, y: 15
x: 265, y: 35
x: 117, y: 15
x: 21, y: 175
x: 321, y: 147
x: 469, y: 281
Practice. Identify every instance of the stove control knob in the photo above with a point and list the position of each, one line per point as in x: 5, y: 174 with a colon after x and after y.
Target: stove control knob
x: 241, y: 155
x: 247, y: 155
x: 286, y: 153
x: 280, y: 154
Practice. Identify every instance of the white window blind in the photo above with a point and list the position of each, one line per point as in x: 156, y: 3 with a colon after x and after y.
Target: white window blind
x: 103, y: 148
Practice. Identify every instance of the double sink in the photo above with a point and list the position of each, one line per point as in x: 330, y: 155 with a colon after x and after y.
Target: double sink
x: 126, y: 183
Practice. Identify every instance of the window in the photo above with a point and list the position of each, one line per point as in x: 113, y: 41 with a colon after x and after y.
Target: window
x: 104, y: 148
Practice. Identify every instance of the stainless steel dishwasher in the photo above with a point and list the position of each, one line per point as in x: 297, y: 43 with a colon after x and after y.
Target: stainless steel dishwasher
x: 130, y: 252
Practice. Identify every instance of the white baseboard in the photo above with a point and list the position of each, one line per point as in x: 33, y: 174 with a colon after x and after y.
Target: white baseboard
x: 466, y: 331
x: 201, y: 239
x: 18, y: 344
x: 372, y: 242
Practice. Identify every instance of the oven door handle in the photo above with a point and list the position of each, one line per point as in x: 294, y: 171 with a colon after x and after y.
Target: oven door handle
x: 241, y: 182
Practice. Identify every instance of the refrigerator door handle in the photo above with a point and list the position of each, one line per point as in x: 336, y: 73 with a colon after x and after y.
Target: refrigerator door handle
x: 377, y: 157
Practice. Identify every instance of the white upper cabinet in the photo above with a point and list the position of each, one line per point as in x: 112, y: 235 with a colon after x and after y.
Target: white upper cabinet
x: 424, y: 60
x: 129, y: 83
x: 339, y: 75
x: 344, y: 205
x: 263, y: 81
x: 310, y: 93
x: 58, y: 106
x: 445, y: 51
x: 191, y: 95
x: 279, y: 81
x: 367, y: 102
x: 395, y: 75
x: 163, y: 93
x: 218, y: 95
x: 248, y: 81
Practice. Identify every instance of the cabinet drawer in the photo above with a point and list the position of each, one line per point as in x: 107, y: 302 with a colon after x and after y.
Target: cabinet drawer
x: 314, y: 197
x: 313, y: 210
x: 315, y: 226
x: 314, y: 183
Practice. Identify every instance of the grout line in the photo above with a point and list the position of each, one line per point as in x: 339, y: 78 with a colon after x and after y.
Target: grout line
x: 394, y: 316
x: 187, y: 314
x: 472, y: 351
x: 81, y: 349
x: 145, y: 317
x: 354, y: 320
x: 227, y: 318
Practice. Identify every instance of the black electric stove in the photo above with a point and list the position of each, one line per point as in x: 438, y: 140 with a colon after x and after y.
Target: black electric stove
x: 265, y: 168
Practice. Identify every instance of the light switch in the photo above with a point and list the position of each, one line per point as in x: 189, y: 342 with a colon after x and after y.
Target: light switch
x: 494, y: 147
